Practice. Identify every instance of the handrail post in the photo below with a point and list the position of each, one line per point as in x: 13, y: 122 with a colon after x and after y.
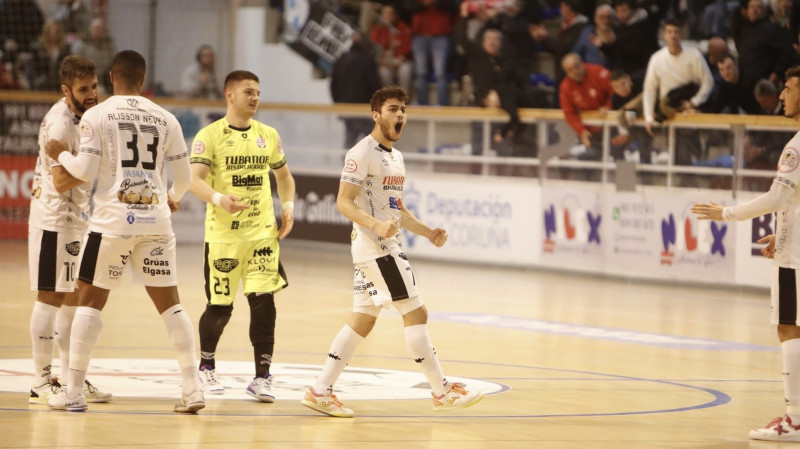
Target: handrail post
x: 738, y: 158
x: 431, y: 141
x: 670, y: 151
x: 606, y: 152
x: 486, y: 144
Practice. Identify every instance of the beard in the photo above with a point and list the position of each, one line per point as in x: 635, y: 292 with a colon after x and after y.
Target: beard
x: 80, y: 107
x: 386, y: 130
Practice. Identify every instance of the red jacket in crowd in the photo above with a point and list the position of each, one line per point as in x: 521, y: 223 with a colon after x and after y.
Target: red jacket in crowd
x: 593, y: 93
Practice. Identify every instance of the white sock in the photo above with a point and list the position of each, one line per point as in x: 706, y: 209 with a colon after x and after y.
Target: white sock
x: 342, y: 348
x: 419, y: 343
x: 86, y: 327
x: 43, y: 320
x: 790, y: 350
x: 181, y: 333
x: 63, y: 332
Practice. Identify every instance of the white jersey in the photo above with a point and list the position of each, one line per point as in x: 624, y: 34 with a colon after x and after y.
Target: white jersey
x: 380, y: 172
x: 51, y: 210
x: 134, y: 138
x: 787, y: 235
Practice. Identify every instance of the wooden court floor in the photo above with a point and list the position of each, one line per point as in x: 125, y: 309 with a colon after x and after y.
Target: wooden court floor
x: 569, y: 361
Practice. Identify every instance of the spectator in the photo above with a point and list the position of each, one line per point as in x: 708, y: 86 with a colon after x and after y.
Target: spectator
x: 571, y: 27
x: 99, y: 47
x: 586, y: 87
x: 393, y: 38
x: 73, y: 16
x: 636, y: 38
x: 518, y: 46
x: 681, y: 75
x: 627, y: 99
x: 48, y: 52
x: 732, y: 97
x: 8, y: 80
x: 353, y: 80
x: 716, y: 15
x: 21, y: 21
x: 677, y: 80
x: 14, y: 66
x: 199, y: 80
x: 768, y: 98
x: 764, y: 49
x: 431, y: 27
x: 594, y: 35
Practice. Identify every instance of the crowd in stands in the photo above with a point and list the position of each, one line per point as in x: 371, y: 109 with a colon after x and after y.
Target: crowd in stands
x: 651, y: 58
x: 640, y: 56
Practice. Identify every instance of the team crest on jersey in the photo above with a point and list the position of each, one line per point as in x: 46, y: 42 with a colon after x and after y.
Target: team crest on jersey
x: 261, y: 142
x: 132, y: 102
x: 350, y: 166
x: 87, y: 132
x: 789, y: 160
x: 199, y: 147
x: 73, y: 248
x: 225, y: 265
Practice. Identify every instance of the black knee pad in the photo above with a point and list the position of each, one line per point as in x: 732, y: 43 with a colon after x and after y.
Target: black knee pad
x: 214, y: 319
x: 262, y: 317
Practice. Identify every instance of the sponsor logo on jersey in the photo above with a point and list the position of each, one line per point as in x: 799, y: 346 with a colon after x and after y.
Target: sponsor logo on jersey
x: 350, y: 166
x: 159, y: 251
x: 225, y: 265
x: 789, y: 160
x: 262, y: 252
x: 234, y: 225
x: 247, y: 180
x: 132, y: 102
x: 393, y: 183
x: 199, y: 147
x: 393, y: 203
x: 131, y: 218
x: 244, y: 160
x: 87, y: 132
x: 124, y: 258
x: 73, y: 248
x: 261, y: 142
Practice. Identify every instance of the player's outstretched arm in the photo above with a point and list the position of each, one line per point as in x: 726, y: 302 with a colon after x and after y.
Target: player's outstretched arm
x: 201, y: 189
x: 766, y: 203
x: 286, y: 191
x: 346, y: 203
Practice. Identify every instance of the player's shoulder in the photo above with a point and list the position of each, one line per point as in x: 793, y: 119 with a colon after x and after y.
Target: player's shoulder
x: 212, y: 130
x: 263, y: 128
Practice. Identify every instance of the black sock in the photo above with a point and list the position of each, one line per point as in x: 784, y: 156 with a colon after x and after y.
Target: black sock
x: 262, y: 330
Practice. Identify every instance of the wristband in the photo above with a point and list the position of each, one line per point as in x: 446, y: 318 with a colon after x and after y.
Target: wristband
x: 216, y: 198
x: 288, y: 205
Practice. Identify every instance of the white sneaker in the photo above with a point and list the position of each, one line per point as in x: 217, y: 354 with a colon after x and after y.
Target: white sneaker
x: 208, y: 380
x: 93, y: 395
x: 326, y: 403
x: 40, y: 395
x: 456, y: 397
x: 191, y: 403
x: 261, y: 389
x: 61, y: 402
x: 779, y: 429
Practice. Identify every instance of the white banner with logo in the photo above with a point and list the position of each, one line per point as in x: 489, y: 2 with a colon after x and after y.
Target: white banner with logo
x: 494, y: 221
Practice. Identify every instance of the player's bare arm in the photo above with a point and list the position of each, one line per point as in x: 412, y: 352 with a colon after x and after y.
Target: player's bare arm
x: 411, y: 223
x: 286, y: 192
x: 346, y: 203
x: 201, y: 189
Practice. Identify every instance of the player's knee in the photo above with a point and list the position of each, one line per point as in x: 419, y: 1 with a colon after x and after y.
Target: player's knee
x: 262, y: 317
x: 215, y: 318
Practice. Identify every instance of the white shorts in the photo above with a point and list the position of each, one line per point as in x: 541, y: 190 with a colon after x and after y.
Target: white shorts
x: 152, y: 257
x: 784, y: 298
x: 385, y: 282
x: 53, y: 258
